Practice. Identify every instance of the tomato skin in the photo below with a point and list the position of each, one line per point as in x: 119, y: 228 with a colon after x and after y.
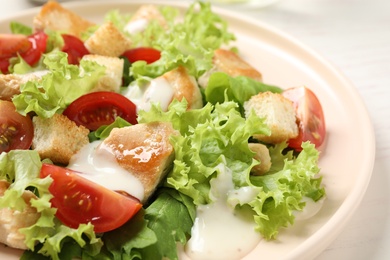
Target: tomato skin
x: 101, y: 108
x: 80, y: 201
x: 32, y: 54
x: 74, y: 47
x: 147, y: 54
x: 16, y: 130
x: 311, y: 120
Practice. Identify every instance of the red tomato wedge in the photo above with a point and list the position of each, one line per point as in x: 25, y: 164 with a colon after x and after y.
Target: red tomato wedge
x: 101, y: 108
x: 31, y: 52
x: 80, y: 201
x: 147, y: 54
x: 10, y: 44
x: 16, y: 130
x: 310, y: 116
x: 74, y: 47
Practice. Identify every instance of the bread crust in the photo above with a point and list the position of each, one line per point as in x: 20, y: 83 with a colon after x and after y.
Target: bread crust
x: 58, y: 138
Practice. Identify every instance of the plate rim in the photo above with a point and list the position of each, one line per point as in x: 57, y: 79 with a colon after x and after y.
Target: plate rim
x: 350, y: 204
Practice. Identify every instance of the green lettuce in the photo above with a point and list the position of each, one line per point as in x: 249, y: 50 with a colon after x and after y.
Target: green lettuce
x: 218, y: 134
x: 19, y: 28
x: 222, y: 86
x: 189, y: 43
x: 59, y: 87
x: 21, y: 168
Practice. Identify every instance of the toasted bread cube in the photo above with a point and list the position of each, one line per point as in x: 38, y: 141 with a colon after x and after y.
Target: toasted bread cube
x: 279, y: 115
x: 262, y: 155
x: 107, y: 40
x: 12, y: 220
x: 142, y: 17
x: 229, y: 62
x: 112, y: 81
x: 184, y: 86
x: 58, y: 138
x: 55, y: 17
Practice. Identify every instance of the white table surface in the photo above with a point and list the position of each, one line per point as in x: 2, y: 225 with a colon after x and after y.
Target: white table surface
x: 354, y: 35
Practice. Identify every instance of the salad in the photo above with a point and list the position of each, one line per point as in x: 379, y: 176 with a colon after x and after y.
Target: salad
x: 212, y: 168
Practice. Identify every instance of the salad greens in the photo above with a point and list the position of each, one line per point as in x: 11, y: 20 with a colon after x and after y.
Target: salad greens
x: 213, y: 135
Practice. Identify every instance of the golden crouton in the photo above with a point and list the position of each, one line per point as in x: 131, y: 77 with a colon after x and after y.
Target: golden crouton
x: 112, y: 81
x: 184, y: 86
x: 142, y: 17
x: 58, y: 138
x: 144, y: 150
x: 13, y: 220
x: 107, y: 40
x: 279, y: 115
x: 262, y: 155
x: 229, y: 62
x: 55, y: 17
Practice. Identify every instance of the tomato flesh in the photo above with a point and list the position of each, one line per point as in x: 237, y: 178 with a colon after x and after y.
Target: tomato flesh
x: 147, y: 54
x: 31, y: 52
x: 101, y: 108
x: 16, y: 130
x: 74, y: 47
x: 80, y: 201
x: 310, y: 117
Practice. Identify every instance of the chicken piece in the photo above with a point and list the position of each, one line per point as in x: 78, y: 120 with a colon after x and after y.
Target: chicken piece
x: 144, y: 150
x: 13, y: 220
x: 55, y: 17
x: 230, y: 63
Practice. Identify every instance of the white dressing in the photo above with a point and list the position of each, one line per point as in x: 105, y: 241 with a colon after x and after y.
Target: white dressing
x: 157, y: 90
x: 309, y: 210
x: 136, y: 26
x: 219, y: 231
x: 99, y: 165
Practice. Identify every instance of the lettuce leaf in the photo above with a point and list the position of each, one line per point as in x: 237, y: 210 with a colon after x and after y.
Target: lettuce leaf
x: 19, y: 28
x: 219, y: 134
x: 57, y: 89
x: 21, y: 168
x: 189, y: 43
x: 239, y: 89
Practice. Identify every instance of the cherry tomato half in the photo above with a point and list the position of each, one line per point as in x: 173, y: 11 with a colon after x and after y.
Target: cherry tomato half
x: 101, y: 108
x: 16, y: 130
x: 80, y: 201
x: 310, y: 116
x: 31, y: 52
x: 74, y: 47
x: 147, y: 54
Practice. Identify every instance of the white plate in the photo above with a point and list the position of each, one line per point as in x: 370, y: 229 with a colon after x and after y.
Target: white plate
x: 347, y: 160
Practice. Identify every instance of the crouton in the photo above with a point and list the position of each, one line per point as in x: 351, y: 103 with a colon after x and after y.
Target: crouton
x: 279, y: 114
x: 142, y: 17
x: 229, y: 62
x: 184, y: 86
x: 10, y: 84
x: 58, y: 138
x: 112, y: 81
x: 262, y: 155
x: 107, y: 40
x: 57, y: 18
x: 13, y: 220
x: 144, y: 150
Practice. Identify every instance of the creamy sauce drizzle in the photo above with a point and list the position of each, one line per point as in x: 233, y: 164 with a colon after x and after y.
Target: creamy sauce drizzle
x: 98, y: 164
x: 136, y: 26
x: 219, y: 231
x: 157, y: 90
